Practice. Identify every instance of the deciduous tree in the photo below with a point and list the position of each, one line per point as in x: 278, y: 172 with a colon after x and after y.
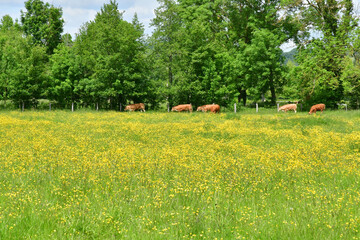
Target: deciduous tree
x: 112, y: 53
x: 323, y: 53
x: 43, y: 22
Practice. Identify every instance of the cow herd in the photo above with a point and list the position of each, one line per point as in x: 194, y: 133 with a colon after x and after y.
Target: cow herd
x: 313, y: 109
x: 215, y: 108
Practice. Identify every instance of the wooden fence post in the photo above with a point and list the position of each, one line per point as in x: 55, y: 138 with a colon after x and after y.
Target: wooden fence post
x: 234, y: 107
x: 257, y: 107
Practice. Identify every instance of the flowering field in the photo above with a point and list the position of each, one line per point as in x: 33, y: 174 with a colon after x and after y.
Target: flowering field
x: 109, y: 175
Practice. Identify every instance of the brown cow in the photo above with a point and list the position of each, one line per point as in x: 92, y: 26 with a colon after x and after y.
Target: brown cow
x: 183, y: 107
x: 201, y: 108
x: 214, y: 108
x: 134, y: 107
x: 288, y: 107
x: 317, y: 107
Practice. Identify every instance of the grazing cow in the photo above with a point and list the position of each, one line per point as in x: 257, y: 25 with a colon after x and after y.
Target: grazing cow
x: 183, y: 107
x: 201, y: 108
x: 288, y: 107
x: 214, y: 108
x: 134, y: 107
x: 317, y: 107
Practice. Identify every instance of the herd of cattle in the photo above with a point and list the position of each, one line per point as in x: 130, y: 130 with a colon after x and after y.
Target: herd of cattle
x: 313, y: 109
x: 215, y: 108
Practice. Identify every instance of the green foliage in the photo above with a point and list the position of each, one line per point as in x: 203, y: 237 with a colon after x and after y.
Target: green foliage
x: 23, y: 66
x: 220, y: 46
x: 30, y: 79
x: 201, y: 52
x: 290, y: 56
x: 263, y: 60
x: 170, y: 57
x: 321, y: 60
x: 65, y: 75
x: 9, y: 37
x: 319, y: 71
x: 113, y: 59
x: 290, y: 88
x: 43, y: 22
x: 351, y: 82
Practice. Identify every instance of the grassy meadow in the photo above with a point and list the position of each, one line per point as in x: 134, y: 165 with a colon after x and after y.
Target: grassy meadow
x: 110, y: 175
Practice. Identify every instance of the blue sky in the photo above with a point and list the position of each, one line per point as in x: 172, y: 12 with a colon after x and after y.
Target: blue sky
x: 78, y: 12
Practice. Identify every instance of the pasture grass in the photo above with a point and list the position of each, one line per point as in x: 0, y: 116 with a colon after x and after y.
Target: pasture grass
x: 109, y: 175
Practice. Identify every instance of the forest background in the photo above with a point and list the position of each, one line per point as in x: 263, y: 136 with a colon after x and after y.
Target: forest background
x: 200, y: 52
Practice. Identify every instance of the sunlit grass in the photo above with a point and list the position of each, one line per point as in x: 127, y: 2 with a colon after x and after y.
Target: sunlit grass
x: 109, y: 175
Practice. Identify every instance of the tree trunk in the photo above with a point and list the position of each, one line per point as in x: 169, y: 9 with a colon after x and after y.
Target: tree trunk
x: 272, y: 89
x: 111, y: 103
x: 170, y: 80
x: 242, y: 96
x: 5, y: 97
x: 119, y: 101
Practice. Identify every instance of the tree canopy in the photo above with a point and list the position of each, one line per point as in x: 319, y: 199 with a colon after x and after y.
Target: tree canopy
x: 200, y: 52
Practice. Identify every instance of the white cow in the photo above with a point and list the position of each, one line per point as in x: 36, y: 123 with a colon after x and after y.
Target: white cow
x: 288, y: 107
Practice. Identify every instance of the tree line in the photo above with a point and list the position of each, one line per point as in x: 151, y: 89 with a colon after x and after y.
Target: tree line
x: 200, y: 52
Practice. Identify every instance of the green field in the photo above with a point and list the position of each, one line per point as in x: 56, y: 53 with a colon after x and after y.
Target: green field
x: 110, y: 175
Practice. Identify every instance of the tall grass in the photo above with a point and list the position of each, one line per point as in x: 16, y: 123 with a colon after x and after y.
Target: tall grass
x: 108, y: 175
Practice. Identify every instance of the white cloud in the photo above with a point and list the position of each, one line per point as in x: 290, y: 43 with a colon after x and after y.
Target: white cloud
x: 288, y: 46
x: 88, y: 4
x: 77, y: 12
x: 145, y: 11
x: 75, y: 17
x: 12, y: 2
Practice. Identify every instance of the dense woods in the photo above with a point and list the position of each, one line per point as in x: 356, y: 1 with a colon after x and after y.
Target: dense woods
x: 200, y: 52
